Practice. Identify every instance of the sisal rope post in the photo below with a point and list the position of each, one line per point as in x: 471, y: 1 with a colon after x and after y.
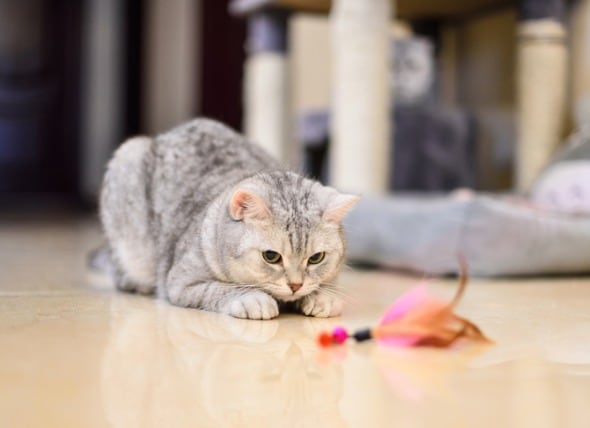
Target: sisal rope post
x: 266, y: 83
x: 361, y: 96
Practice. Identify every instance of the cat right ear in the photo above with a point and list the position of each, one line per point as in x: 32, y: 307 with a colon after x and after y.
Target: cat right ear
x: 338, y: 206
x: 246, y: 205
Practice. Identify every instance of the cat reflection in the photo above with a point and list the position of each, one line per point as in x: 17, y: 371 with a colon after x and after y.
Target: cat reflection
x: 172, y: 367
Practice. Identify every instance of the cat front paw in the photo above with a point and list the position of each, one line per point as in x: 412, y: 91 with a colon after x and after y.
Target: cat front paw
x: 321, y: 305
x: 255, y: 305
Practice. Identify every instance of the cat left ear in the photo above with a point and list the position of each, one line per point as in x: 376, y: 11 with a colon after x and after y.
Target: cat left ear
x: 246, y: 205
x: 338, y: 206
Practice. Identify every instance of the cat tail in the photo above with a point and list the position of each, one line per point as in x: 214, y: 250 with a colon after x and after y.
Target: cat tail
x: 101, y: 260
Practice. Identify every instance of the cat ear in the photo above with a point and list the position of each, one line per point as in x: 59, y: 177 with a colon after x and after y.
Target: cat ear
x: 246, y: 205
x: 338, y: 206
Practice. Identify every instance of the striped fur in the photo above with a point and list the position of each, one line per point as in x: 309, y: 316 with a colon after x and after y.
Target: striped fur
x: 166, y: 212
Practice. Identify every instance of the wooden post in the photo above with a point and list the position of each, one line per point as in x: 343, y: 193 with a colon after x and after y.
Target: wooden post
x: 542, y: 65
x: 361, y: 96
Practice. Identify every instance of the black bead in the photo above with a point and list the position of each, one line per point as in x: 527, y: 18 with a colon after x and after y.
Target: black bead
x: 362, y: 335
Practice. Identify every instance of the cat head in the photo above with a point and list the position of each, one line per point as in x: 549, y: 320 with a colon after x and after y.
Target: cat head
x: 284, y: 234
x: 413, y: 69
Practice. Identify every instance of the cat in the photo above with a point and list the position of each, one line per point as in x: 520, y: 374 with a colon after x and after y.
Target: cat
x: 413, y: 70
x: 208, y: 220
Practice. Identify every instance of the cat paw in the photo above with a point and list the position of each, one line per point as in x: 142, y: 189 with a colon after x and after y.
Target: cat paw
x: 255, y: 305
x: 321, y: 305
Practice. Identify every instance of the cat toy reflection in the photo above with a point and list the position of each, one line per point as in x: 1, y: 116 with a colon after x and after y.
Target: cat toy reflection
x: 416, y: 319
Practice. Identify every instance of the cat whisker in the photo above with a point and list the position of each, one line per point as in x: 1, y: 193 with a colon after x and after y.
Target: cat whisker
x: 336, y: 292
x: 347, y: 267
x: 347, y: 299
x: 335, y: 287
x: 330, y: 289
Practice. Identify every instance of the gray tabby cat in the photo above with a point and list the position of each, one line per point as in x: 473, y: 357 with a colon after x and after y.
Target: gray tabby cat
x: 210, y: 221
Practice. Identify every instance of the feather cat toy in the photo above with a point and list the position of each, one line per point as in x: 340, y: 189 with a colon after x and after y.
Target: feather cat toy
x: 416, y: 319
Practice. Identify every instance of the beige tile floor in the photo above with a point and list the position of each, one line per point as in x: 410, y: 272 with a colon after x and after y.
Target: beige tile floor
x: 75, y: 353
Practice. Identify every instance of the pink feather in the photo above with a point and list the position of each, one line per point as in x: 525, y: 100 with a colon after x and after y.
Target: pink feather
x: 417, y: 318
x: 405, y: 303
x: 408, y: 302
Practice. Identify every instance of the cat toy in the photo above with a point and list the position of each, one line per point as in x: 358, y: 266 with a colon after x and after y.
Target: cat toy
x: 415, y: 319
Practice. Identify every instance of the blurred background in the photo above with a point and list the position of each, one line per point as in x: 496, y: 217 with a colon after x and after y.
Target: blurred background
x: 78, y: 77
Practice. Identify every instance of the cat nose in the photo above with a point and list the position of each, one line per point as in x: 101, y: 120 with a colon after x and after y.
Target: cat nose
x: 295, y: 287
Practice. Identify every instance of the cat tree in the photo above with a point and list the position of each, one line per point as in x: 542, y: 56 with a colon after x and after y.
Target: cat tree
x: 361, y: 127
x: 360, y: 50
x: 497, y: 235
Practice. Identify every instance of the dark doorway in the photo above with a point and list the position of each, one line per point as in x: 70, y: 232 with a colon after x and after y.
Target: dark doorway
x: 39, y: 100
x: 222, y: 63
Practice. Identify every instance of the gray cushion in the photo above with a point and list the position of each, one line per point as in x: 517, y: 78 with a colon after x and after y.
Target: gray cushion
x: 497, y: 235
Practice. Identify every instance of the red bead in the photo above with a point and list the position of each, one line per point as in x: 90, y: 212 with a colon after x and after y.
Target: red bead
x: 339, y: 335
x: 325, y: 339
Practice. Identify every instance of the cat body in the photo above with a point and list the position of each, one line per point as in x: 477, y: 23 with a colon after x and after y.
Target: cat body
x: 208, y: 220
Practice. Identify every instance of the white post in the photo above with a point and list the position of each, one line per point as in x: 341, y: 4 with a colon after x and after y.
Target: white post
x: 266, y: 102
x: 542, y: 68
x: 266, y: 83
x: 361, y: 96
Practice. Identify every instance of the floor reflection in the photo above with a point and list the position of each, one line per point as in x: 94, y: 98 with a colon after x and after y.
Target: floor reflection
x: 76, y: 355
x: 175, y: 366
x: 416, y: 374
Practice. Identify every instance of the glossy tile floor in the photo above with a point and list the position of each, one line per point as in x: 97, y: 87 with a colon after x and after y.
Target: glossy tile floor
x: 75, y: 353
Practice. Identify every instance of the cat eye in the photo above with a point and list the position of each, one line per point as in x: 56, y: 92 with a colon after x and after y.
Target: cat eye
x: 271, y: 257
x: 316, y: 258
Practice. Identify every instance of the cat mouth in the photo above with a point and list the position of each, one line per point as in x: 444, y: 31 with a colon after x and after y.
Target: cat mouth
x: 290, y: 296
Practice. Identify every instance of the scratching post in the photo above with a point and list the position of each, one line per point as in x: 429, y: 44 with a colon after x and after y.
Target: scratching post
x: 361, y: 95
x: 542, y: 64
x: 266, y: 92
